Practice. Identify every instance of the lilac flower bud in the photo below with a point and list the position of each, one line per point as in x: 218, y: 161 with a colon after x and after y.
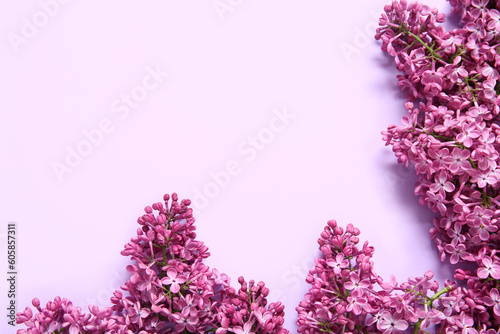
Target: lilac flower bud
x: 332, y: 223
x: 429, y: 275
x: 325, y: 234
x: 161, y: 218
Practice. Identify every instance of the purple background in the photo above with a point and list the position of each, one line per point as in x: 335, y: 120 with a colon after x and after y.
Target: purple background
x: 84, y: 71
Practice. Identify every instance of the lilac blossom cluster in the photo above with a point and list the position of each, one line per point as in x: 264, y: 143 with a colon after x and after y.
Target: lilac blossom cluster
x: 451, y: 134
x: 347, y: 296
x: 170, y: 289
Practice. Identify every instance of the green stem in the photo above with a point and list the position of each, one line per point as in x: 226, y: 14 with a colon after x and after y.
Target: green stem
x: 441, y: 137
x: 431, y: 50
x: 417, y: 326
x: 437, y: 295
x: 429, y: 304
x: 470, y: 91
x: 164, y: 255
x: 472, y: 163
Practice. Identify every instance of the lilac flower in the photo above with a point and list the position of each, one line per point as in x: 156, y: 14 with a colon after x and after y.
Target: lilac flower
x: 137, y: 313
x: 441, y: 184
x: 490, y: 268
x: 479, y: 8
x: 174, y: 280
x: 493, y: 300
x: 246, y: 329
x: 391, y: 323
x: 477, y: 29
x: 437, y: 201
x: 439, y: 157
x: 489, y: 89
x: 153, y: 325
x: 355, y: 284
x: 185, y: 321
x: 483, y: 178
x: 262, y: 318
x: 224, y: 325
x: 158, y: 297
x: 337, y: 300
x: 356, y: 304
x: 468, y: 134
x: 483, y: 229
x: 455, y: 233
x: 456, y: 250
x: 465, y: 323
x: 71, y: 321
x: 449, y: 46
x: 480, y: 215
x: 458, y: 160
x: 338, y: 263
x: 456, y: 82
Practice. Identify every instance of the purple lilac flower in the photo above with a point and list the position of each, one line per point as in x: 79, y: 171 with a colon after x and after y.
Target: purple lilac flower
x: 453, y: 140
x: 170, y: 290
x: 357, y: 300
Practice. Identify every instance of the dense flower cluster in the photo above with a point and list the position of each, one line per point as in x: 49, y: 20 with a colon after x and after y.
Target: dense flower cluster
x: 451, y: 133
x: 347, y: 296
x: 170, y: 289
x: 453, y: 136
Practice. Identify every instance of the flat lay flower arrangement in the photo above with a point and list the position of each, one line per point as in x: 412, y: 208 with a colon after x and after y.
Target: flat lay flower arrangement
x: 450, y: 135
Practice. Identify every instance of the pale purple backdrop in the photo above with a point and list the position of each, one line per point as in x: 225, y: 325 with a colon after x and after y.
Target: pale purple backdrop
x: 267, y: 114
